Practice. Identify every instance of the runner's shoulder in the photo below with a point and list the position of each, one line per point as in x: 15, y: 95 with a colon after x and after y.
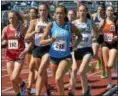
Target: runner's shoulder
x: 5, y: 28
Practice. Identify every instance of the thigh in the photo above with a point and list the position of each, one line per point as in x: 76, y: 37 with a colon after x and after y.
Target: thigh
x: 44, y: 62
x: 53, y: 68
x: 10, y: 67
x: 95, y: 48
x: 28, y: 57
x: 76, y: 65
x: 32, y: 63
x: 64, y: 66
x: 37, y: 62
x: 85, y: 63
x: 18, y: 65
x: 112, y: 56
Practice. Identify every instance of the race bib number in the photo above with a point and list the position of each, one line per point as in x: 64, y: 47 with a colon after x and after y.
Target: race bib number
x: 12, y: 44
x: 85, y: 38
x: 112, y: 28
x: 108, y: 37
x: 60, y: 46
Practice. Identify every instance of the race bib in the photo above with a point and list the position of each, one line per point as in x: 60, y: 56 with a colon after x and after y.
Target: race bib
x: 85, y: 38
x: 112, y: 28
x: 12, y: 44
x: 60, y: 46
x: 108, y: 37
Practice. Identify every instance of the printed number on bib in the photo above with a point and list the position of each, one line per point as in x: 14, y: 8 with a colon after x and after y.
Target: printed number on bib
x: 60, y: 46
x: 85, y: 38
x: 108, y: 37
x: 12, y: 44
x: 112, y: 28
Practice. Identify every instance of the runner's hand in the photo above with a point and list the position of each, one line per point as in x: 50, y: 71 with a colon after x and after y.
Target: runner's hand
x: 38, y: 30
x: 115, y: 38
x: 22, y: 54
x: 4, y: 44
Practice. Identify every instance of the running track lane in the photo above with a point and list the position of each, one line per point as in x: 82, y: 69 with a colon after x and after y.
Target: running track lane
x: 98, y: 86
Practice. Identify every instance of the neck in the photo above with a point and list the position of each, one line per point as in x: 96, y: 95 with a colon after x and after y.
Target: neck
x: 14, y: 25
x: 43, y: 19
x: 61, y: 23
x: 82, y: 19
x: 110, y: 18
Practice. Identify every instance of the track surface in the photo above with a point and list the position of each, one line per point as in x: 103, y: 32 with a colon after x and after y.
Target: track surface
x: 98, y: 85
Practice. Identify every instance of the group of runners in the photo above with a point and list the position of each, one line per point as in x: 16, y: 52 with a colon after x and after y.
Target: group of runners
x: 65, y: 43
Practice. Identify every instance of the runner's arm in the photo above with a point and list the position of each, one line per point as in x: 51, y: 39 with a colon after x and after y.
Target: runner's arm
x: 95, y: 32
x: 3, y: 39
x: 30, y: 32
x: 43, y: 40
x: 116, y: 37
x: 76, y: 31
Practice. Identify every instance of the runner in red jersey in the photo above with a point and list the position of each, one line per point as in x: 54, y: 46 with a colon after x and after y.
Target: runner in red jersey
x: 13, y: 37
x: 15, y: 45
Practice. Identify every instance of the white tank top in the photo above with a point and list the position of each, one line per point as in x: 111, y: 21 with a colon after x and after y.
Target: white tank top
x: 85, y: 29
x: 37, y: 36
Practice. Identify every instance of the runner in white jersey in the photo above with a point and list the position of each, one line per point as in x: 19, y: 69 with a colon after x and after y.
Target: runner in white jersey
x: 83, y: 52
x: 40, y: 53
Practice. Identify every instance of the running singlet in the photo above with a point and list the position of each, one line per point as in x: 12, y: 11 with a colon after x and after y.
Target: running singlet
x: 85, y: 30
x: 96, y: 20
x: 109, y: 31
x: 15, y: 45
x: 61, y: 47
x: 37, y: 36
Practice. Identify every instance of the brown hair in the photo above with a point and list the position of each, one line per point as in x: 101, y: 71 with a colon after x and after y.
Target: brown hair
x: 17, y: 14
x: 34, y: 8
x: 45, y: 4
x: 65, y: 11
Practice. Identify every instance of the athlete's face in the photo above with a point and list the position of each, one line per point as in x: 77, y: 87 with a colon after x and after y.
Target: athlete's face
x: 82, y: 12
x: 71, y: 15
x: 13, y: 19
x: 32, y: 14
x: 100, y: 10
x: 109, y: 11
x: 43, y: 11
x: 60, y: 14
x: 25, y: 15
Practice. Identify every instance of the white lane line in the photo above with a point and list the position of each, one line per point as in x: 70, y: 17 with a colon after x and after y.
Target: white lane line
x: 6, y: 89
x: 4, y: 76
x: 4, y: 69
x: 94, y: 73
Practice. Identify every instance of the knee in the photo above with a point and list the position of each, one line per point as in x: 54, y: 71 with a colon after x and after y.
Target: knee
x: 58, y: 78
x: 40, y: 73
x: 109, y: 66
x: 82, y: 72
x: 74, y: 70
x: 13, y: 79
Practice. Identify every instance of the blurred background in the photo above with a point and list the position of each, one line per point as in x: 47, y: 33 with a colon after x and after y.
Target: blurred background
x: 71, y: 4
